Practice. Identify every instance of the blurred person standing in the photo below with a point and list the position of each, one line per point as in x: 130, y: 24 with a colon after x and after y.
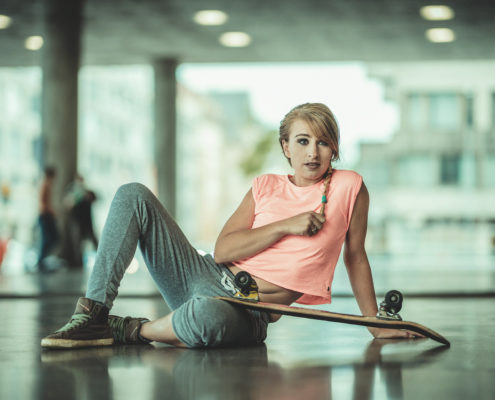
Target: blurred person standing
x: 78, y: 201
x: 4, y: 233
x: 47, y: 220
x: 84, y: 217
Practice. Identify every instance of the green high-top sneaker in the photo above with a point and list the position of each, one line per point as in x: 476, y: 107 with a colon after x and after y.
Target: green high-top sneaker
x: 126, y: 330
x: 88, y: 327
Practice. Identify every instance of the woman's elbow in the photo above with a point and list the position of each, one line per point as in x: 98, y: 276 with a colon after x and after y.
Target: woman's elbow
x: 353, y: 257
x: 218, y: 258
x: 219, y: 254
x: 222, y: 259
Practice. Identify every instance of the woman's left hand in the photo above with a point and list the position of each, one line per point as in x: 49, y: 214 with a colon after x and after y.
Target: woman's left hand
x: 381, y: 333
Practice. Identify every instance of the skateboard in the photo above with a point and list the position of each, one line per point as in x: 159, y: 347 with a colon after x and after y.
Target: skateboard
x: 387, y: 317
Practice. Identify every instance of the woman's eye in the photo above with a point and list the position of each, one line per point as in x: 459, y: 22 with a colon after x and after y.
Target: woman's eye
x: 302, y: 141
x: 323, y: 143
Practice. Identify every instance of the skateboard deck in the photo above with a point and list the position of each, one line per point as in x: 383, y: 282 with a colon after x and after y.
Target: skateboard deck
x: 338, y: 317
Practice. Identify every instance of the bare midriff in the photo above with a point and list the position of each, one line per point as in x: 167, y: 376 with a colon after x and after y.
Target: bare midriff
x: 270, y: 293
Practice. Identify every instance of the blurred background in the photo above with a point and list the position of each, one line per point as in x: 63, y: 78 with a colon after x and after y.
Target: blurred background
x: 186, y: 97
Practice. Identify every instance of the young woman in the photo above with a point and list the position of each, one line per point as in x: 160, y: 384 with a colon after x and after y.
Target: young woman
x: 287, y: 233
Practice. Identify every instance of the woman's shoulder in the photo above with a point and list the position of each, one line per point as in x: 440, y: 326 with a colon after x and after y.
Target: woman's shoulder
x: 267, y: 183
x: 346, y: 174
x: 347, y: 177
x: 270, y: 179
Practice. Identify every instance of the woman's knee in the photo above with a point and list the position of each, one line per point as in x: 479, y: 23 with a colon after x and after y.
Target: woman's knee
x: 207, y: 322
x: 133, y: 190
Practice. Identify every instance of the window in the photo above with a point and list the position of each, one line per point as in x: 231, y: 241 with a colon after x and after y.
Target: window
x: 416, y: 111
x: 415, y: 170
x: 469, y: 111
x: 493, y: 109
x: 449, y: 169
x: 440, y: 111
x: 444, y: 111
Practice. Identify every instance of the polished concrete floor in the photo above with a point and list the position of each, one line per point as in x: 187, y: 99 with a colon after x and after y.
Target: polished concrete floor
x: 301, y: 359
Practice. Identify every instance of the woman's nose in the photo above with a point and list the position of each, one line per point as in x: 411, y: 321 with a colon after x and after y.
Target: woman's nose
x: 313, y: 150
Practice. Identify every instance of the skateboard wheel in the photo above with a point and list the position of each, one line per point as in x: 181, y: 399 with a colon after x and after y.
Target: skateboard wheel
x: 393, y: 300
x: 242, y: 280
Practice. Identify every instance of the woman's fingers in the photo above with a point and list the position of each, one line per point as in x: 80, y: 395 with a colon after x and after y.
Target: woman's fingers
x: 308, y: 223
x: 315, y: 223
x: 382, y: 333
x: 414, y: 334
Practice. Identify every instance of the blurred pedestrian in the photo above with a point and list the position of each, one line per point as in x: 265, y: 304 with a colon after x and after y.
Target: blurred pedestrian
x: 84, y: 217
x: 78, y: 200
x: 47, y: 220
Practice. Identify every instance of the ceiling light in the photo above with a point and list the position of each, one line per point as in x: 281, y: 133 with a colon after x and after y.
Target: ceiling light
x: 33, y: 43
x: 235, y: 39
x: 436, y: 13
x: 5, y: 21
x: 440, y: 35
x: 210, y: 17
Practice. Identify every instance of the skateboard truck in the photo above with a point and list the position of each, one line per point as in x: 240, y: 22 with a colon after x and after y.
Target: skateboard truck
x: 390, y: 307
x: 246, y: 285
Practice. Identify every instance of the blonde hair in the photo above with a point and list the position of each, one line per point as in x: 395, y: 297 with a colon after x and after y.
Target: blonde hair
x: 321, y: 121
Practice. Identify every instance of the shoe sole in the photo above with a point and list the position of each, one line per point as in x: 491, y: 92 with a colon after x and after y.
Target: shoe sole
x: 69, y: 344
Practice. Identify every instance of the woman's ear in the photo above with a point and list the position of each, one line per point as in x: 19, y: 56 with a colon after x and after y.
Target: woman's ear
x: 285, y: 146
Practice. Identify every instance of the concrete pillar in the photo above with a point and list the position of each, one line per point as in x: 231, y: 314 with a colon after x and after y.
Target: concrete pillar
x: 60, y: 64
x: 165, y: 148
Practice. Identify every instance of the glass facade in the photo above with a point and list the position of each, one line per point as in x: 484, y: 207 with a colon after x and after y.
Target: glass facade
x: 450, y: 169
x: 428, y: 171
x: 439, y: 111
x: 444, y: 111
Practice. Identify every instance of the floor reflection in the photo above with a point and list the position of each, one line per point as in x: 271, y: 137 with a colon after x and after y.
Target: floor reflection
x: 164, y: 372
x: 302, y: 359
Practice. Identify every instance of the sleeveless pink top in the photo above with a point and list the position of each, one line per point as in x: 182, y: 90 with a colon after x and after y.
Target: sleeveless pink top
x: 301, y: 263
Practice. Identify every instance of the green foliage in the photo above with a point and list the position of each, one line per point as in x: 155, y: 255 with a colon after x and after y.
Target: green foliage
x: 254, y: 161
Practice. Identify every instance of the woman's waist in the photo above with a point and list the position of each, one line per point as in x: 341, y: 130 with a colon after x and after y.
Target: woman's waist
x: 268, y: 291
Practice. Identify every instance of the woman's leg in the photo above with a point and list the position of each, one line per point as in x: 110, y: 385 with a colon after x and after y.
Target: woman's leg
x: 161, y: 330
x: 207, y: 322
x: 210, y: 322
x: 187, y: 281
x: 136, y: 216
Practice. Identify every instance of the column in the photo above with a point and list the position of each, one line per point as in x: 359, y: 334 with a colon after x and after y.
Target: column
x: 60, y: 64
x: 165, y: 131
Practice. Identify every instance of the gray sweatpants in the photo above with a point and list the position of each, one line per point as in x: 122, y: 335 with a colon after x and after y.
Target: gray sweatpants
x: 186, y: 279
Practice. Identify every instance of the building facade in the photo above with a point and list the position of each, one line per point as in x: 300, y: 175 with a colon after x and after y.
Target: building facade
x: 433, y: 184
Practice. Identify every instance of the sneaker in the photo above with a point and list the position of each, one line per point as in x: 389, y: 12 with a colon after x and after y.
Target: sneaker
x: 88, y: 327
x: 126, y: 330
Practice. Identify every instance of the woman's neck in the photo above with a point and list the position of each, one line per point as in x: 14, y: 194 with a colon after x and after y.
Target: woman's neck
x: 302, y: 183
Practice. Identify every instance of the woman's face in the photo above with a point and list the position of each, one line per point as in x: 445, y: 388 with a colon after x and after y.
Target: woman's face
x: 309, y: 156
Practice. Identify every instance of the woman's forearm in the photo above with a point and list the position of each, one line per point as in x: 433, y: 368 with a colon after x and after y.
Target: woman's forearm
x: 359, y: 272
x: 245, y: 243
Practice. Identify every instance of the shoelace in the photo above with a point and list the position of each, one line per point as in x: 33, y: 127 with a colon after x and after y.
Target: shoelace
x: 75, y: 321
x: 118, y: 329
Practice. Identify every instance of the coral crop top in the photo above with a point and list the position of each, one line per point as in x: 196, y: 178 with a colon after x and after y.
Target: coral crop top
x: 301, y: 263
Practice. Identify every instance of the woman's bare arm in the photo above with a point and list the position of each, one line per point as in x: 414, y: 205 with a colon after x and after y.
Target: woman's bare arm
x: 355, y: 257
x: 237, y: 240
x: 358, y: 267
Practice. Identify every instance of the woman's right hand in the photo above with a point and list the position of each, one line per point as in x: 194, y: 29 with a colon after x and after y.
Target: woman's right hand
x: 307, y: 223
x: 382, y: 333
x: 239, y: 240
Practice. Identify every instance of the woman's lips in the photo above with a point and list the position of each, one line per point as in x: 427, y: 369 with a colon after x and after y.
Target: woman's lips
x: 312, y: 165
